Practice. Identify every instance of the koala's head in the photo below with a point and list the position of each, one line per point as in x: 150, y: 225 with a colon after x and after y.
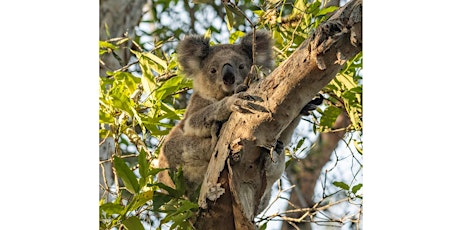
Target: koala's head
x: 218, y: 70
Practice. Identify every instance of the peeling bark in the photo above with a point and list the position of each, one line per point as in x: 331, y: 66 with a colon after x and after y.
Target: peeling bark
x: 285, y: 92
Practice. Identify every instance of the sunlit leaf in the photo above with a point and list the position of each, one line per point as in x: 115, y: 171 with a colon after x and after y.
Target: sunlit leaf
x: 104, y: 44
x: 141, y: 199
x: 327, y: 10
x: 235, y: 35
x: 156, y: 59
x: 111, y: 208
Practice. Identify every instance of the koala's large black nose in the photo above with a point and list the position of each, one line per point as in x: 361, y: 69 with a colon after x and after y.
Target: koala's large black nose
x: 228, y: 74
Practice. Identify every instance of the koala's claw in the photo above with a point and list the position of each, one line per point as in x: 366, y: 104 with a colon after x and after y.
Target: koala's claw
x: 244, y: 104
x: 241, y: 106
x: 312, y: 105
x: 248, y: 97
x: 241, y: 88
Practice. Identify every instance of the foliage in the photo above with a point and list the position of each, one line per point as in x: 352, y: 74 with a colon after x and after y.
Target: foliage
x: 141, y: 102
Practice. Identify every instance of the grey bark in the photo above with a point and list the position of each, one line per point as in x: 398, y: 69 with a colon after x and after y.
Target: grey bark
x: 119, y: 17
x: 285, y: 92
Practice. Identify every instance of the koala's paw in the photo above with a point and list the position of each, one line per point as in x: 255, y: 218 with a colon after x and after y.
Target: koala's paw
x: 318, y: 100
x: 246, y: 103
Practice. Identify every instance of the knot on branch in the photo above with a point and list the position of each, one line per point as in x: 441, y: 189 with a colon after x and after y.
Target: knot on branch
x: 343, y: 27
x: 325, y: 36
x: 235, y: 148
x: 215, y: 192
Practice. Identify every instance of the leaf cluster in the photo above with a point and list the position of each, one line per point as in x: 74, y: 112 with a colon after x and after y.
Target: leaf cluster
x: 135, y: 108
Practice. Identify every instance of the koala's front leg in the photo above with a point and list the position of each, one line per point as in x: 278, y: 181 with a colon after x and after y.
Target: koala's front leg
x: 200, y: 123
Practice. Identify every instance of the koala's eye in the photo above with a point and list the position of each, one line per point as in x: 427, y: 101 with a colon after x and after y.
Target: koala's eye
x: 213, y: 70
x: 241, y: 66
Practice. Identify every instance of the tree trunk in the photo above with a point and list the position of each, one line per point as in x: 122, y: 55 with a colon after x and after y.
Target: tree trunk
x: 305, y: 173
x: 285, y: 92
x: 120, y: 17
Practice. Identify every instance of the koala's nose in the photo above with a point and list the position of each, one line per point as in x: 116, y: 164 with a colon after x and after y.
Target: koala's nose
x: 228, y: 74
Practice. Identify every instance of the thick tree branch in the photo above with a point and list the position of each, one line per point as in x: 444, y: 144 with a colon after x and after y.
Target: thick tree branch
x: 284, y: 92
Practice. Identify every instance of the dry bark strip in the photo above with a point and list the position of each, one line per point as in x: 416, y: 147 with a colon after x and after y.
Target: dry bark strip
x: 285, y: 92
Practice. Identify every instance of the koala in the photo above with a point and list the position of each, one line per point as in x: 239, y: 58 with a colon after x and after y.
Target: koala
x: 219, y: 73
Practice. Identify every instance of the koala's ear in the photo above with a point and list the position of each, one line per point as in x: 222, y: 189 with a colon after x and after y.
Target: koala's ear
x: 191, y: 51
x: 264, y: 43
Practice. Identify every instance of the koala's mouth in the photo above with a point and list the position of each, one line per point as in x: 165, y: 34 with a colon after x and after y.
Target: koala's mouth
x: 228, y: 74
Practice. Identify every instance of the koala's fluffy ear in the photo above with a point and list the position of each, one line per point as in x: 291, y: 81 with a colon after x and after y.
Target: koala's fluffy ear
x: 264, y: 43
x: 191, y: 51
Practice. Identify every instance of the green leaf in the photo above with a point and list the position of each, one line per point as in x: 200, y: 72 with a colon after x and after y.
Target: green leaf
x: 104, y: 44
x: 159, y: 199
x: 235, y: 35
x: 171, y: 192
x: 230, y: 21
x: 133, y: 223
x: 299, y: 144
x: 313, y: 8
x: 356, y: 188
x: 126, y: 175
x: 156, y: 59
x: 143, y: 164
x: 141, y: 199
x: 169, y: 87
x: 187, y: 205
x: 155, y: 171
x: 111, y: 208
x: 148, y: 80
x: 105, y: 118
x: 341, y: 185
x: 329, y: 117
x: 128, y: 80
x: 346, y: 80
x: 327, y: 10
x: 263, y: 226
x: 179, y: 181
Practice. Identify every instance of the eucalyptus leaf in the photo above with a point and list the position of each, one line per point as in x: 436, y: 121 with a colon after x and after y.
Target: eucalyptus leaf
x: 126, y: 175
x: 143, y: 164
x: 356, y: 188
x: 133, y: 223
x: 341, y: 185
x: 329, y: 117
